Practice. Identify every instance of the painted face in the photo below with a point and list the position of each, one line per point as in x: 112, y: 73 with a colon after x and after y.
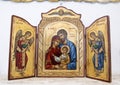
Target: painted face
x: 93, y: 36
x: 62, y: 37
x: 28, y: 35
x: 65, y: 50
x: 56, y: 42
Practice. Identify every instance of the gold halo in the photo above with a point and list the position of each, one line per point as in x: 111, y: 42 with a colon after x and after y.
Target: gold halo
x: 66, y: 47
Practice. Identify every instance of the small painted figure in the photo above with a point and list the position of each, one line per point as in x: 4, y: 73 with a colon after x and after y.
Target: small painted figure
x: 22, y: 45
x: 65, y: 58
x: 97, y: 45
x: 72, y: 53
x: 52, y: 60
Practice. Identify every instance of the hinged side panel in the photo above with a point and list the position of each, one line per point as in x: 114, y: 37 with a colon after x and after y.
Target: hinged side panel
x: 22, y: 49
x: 98, y: 58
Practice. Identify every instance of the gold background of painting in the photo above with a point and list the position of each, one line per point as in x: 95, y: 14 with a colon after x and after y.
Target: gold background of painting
x: 20, y: 24
x: 101, y: 25
x: 54, y: 20
x: 52, y: 29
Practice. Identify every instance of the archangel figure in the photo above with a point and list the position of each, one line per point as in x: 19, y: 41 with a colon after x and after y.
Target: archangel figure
x: 22, y: 45
x: 97, y: 44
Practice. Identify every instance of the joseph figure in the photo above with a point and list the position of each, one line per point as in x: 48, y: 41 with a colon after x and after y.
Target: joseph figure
x: 72, y: 53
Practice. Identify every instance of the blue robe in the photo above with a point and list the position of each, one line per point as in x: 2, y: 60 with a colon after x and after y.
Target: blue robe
x: 72, y: 54
x: 100, y: 55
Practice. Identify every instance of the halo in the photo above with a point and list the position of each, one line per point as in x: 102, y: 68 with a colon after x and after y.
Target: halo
x: 66, y: 47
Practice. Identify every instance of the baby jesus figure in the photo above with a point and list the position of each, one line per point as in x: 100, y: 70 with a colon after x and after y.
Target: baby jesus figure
x: 65, y: 58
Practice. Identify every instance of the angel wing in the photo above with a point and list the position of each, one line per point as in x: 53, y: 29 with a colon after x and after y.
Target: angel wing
x: 17, y: 37
x: 31, y: 41
x: 101, y: 37
x: 90, y: 42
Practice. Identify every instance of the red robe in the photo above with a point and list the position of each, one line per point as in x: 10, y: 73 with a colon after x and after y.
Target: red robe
x: 19, y: 57
x: 50, y: 58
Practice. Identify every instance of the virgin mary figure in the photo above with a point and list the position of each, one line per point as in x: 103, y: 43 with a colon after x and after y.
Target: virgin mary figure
x: 52, y: 60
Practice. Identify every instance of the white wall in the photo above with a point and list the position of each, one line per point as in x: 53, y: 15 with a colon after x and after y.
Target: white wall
x: 32, y: 13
